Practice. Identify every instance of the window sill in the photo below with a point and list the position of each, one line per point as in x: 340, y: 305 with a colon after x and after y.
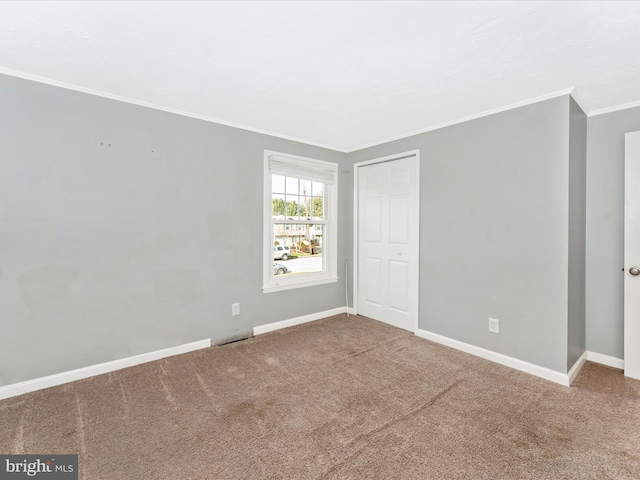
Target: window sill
x: 288, y: 285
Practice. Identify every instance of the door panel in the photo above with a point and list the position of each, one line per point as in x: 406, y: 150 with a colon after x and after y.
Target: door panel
x: 373, y: 220
x: 373, y: 181
x: 399, y: 220
x: 632, y: 256
x: 373, y: 277
x: 388, y: 242
x: 400, y: 177
x: 398, y: 286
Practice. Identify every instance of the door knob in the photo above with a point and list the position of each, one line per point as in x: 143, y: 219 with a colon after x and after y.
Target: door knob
x: 634, y: 271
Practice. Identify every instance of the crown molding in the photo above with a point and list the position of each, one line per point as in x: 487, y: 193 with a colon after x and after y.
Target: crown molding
x: 486, y: 113
x: 111, y: 96
x: 617, y: 108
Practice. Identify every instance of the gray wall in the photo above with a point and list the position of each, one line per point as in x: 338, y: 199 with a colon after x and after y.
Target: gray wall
x: 605, y: 229
x: 114, y: 250
x: 577, y: 231
x: 125, y: 230
x: 494, y: 230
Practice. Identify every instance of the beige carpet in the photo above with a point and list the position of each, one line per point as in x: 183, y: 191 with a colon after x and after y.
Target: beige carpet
x: 336, y: 398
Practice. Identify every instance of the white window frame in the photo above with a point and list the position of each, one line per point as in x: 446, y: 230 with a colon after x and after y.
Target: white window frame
x: 271, y: 283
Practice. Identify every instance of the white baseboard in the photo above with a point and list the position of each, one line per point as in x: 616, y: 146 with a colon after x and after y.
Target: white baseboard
x: 575, y: 370
x: 542, y: 372
x: 15, y: 389
x: 270, y: 327
x: 605, y: 360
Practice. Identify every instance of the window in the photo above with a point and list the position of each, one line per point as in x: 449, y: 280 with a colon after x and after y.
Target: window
x: 300, y: 238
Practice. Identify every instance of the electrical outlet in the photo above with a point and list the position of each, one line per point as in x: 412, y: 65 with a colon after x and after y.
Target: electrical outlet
x: 494, y: 325
x: 235, y: 309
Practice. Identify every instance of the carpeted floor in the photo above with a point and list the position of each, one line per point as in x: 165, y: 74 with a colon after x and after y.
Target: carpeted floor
x: 336, y: 398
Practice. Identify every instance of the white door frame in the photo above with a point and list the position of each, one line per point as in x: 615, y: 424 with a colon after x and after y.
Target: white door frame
x: 631, y: 283
x: 356, y: 166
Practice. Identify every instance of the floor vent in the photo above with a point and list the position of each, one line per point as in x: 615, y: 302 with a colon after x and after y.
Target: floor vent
x: 232, y: 339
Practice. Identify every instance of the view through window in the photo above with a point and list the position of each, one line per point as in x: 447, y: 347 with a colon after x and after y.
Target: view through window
x: 298, y: 223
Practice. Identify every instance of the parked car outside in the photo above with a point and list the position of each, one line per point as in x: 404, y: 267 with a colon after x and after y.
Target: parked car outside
x: 281, y: 252
x: 279, y: 269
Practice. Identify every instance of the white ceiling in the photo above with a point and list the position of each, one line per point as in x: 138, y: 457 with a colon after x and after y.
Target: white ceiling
x: 339, y: 74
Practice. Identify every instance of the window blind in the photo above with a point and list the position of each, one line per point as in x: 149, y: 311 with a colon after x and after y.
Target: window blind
x: 305, y: 170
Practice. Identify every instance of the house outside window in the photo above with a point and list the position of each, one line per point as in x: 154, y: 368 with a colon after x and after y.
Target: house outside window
x: 300, y: 197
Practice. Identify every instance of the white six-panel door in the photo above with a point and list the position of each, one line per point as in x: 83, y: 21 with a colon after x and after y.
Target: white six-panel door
x: 632, y: 256
x: 388, y: 242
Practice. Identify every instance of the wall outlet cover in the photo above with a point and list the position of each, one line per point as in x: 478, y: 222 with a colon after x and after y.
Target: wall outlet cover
x: 494, y: 325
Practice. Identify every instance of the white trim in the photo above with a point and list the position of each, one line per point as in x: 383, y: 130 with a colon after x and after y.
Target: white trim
x: 575, y: 370
x: 388, y: 158
x: 270, y: 327
x: 542, y: 372
x: 617, y: 108
x: 111, y: 96
x: 631, y: 304
x: 321, y: 279
x: 93, y: 370
x: 486, y: 113
x: 605, y: 360
x: 119, y: 98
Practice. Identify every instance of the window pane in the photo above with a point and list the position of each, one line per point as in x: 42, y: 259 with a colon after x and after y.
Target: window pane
x: 318, y: 208
x: 304, y: 254
x: 316, y: 234
x: 318, y: 189
x: 277, y: 209
x: 293, y: 208
x: 277, y: 184
x: 292, y: 186
x: 303, y: 207
x: 303, y: 199
x: 305, y: 187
